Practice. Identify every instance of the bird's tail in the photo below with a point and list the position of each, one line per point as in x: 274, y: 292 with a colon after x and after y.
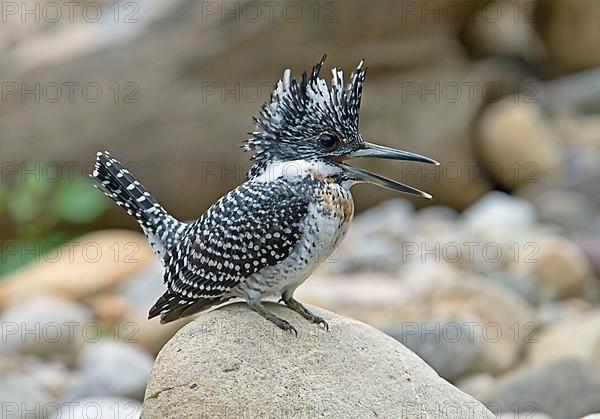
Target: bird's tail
x: 122, y: 187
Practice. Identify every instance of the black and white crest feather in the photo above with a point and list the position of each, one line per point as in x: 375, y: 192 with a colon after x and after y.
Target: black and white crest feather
x: 300, y: 110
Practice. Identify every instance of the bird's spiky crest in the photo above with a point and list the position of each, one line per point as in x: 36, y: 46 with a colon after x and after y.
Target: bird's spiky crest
x: 301, y: 108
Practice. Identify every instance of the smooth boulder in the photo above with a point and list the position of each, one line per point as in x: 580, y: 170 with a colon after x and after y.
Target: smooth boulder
x: 231, y: 362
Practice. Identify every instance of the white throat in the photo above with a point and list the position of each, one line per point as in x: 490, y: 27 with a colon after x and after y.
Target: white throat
x: 296, y: 169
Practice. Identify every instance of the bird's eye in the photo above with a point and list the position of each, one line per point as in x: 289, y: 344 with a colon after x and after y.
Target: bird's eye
x: 328, y: 140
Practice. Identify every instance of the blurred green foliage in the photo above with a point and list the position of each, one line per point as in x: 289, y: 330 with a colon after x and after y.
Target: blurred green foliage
x: 45, y: 212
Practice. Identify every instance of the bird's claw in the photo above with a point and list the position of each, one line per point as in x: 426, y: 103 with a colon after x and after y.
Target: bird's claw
x: 300, y: 309
x: 322, y: 323
x: 285, y: 325
x: 319, y: 320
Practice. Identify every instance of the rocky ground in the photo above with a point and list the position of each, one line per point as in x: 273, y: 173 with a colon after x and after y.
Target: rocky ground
x: 501, y: 300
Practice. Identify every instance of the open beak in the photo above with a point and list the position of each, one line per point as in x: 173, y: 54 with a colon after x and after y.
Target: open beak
x: 381, y: 152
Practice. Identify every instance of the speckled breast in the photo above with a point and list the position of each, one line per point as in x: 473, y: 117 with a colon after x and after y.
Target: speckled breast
x: 336, y: 201
x: 324, y: 226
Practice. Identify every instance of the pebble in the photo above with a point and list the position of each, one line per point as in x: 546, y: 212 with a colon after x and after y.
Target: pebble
x: 46, y: 327
x: 571, y: 210
x: 560, y: 268
x: 564, y: 389
x: 510, y: 160
x: 577, y: 336
x: 110, y: 369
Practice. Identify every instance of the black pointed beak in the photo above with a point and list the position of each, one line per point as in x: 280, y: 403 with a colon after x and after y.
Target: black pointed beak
x: 382, y: 152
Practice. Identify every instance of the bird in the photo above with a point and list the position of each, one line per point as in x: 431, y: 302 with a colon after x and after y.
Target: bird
x: 264, y: 238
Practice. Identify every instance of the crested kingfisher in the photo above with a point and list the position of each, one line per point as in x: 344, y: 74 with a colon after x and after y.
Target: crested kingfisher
x: 266, y: 236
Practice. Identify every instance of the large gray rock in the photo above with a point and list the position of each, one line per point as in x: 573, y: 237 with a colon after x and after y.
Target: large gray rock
x: 232, y: 363
x: 22, y: 397
x: 375, y: 239
x: 564, y: 389
x: 571, y: 210
x: 449, y: 347
x: 110, y: 369
x: 44, y: 326
x: 502, y: 209
x: 30, y: 386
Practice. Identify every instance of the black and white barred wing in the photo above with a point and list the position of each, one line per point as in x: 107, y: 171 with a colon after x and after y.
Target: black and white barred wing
x: 254, y: 226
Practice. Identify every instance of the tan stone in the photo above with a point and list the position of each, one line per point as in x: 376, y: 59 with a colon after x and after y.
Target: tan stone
x: 561, y: 268
x: 151, y: 334
x: 518, y: 145
x: 90, y: 264
x: 570, y: 30
x: 576, y: 337
x: 505, y: 27
x: 109, y: 308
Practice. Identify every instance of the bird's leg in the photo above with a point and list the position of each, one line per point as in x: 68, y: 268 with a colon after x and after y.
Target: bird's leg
x: 282, y: 324
x: 303, y: 311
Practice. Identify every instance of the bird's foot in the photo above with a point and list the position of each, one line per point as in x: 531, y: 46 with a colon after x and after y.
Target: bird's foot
x: 282, y: 324
x: 303, y: 311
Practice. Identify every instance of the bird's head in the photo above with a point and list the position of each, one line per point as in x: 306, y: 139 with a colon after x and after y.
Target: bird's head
x: 308, y: 120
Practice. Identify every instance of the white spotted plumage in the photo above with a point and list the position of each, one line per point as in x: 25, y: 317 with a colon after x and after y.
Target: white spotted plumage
x: 119, y: 184
x: 268, y: 235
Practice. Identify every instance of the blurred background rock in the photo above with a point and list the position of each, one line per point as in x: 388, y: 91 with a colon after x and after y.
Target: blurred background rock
x: 494, y: 283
